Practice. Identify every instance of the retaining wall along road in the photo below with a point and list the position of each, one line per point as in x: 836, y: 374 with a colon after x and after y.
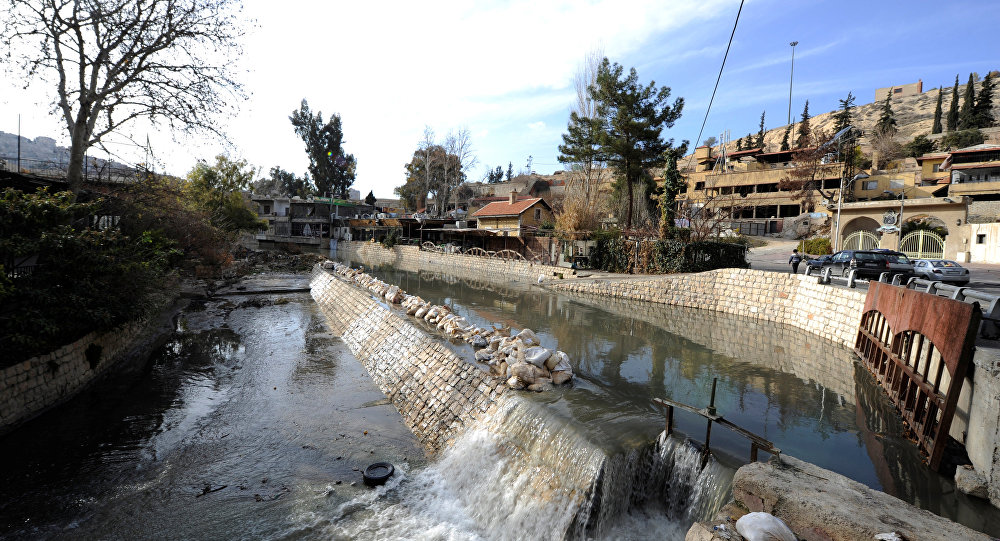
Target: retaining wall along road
x: 793, y: 299
x: 436, y: 392
x: 413, y: 258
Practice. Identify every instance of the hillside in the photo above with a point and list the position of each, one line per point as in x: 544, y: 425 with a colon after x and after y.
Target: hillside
x: 914, y: 116
x: 40, y: 148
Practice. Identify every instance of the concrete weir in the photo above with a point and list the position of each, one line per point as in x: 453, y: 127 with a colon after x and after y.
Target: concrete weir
x: 552, y: 479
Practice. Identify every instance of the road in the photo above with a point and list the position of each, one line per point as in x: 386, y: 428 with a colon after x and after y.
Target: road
x: 774, y: 257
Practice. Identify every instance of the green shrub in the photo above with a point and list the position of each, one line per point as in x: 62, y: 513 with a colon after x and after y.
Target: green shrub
x: 84, y: 280
x: 816, y: 246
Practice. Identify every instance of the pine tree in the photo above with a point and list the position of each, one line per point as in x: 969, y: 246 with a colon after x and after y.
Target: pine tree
x: 784, y: 138
x: 750, y: 142
x: 953, y: 108
x: 843, y: 118
x: 937, y: 113
x: 804, y: 129
x: 967, y: 116
x: 983, y: 111
x: 739, y: 144
x: 887, y: 120
x: 510, y: 171
x: 760, y: 133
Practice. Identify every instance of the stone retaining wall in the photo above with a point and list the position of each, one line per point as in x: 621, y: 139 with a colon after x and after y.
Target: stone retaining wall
x: 30, y: 387
x: 413, y: 258
x: 793, y: 299
x: 437, y: 393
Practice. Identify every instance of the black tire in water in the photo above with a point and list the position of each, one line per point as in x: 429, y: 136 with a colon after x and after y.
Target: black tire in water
x: 378, y: 473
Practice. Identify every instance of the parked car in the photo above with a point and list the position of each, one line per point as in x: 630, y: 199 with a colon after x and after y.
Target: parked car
x: 942, y: 270
x: 869, y: 263
x: 818, y: 262
x: 899, y: 263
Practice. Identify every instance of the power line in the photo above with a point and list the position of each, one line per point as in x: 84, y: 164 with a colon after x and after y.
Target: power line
x: 717, y: 79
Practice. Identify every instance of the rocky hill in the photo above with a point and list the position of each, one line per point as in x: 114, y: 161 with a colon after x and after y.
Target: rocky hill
x: 40, y: 148
x: 914, y: 116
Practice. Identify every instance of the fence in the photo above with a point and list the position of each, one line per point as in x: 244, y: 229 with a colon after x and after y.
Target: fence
x: 93, y: 170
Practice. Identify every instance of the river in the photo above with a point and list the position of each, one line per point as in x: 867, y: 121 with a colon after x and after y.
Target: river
x: 252, y: 421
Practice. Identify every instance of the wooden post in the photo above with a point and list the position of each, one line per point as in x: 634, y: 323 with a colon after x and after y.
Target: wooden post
x: 670, y: 420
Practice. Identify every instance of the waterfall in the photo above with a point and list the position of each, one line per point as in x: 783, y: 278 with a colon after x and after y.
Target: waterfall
x: 527, y: 473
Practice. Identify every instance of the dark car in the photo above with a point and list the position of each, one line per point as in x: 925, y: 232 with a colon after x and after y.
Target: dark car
x: 899, y: 263
x: 818, y: 262
x: 942, y: 270
x: 869, y: 263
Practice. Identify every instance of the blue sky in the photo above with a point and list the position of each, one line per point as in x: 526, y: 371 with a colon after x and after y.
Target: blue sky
x: 504, y: 70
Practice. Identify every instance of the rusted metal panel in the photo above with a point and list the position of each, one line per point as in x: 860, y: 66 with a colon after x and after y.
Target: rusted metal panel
x: 907, y: 339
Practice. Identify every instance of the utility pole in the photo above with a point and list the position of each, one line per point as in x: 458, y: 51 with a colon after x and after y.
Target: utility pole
x: 19, y: 144
x: 790, y: 75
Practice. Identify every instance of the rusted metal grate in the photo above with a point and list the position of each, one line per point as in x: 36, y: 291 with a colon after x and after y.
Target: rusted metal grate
x: 919, y: 347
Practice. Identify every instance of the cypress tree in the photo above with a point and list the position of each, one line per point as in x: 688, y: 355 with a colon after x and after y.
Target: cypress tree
x: 887, y: 120
x: 967, y: 116
x: 750, y: 142
x: 804, y: 129
x: 984, y: 105
x: 953, y: 108
x: 760, y: 133
x: 739, y: 144
x: 937, y: 114
x: 784, y: 138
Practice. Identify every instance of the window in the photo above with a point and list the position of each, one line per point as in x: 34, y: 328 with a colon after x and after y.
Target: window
x: 897, y: 90
x: 981, y: 238
x: 896, y: 184
x: 936, y: 168
x: 699, y: 186
x: 538, y: 214
x: 869, y: 185
x: 267, y: 209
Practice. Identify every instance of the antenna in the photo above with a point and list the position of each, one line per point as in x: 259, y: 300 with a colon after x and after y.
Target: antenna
x: 530, y: 159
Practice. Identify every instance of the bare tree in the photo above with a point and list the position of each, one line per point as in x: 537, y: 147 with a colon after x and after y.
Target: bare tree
x: 587, y: 169
x: 461, y: 147
x: 114, y: 61
x: 427, y: 145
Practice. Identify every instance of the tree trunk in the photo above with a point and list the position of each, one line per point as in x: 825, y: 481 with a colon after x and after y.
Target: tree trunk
x: 77, y: 154
x: 628, y: 216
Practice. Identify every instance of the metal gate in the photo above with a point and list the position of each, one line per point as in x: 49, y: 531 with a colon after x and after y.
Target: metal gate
x: 860, y: 240
x: 922, y: 244
x: 907, y: 340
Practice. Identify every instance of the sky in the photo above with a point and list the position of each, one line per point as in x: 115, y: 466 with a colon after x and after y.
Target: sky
x: 504, y: 70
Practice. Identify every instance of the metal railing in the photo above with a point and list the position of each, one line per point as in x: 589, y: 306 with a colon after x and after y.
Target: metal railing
x: 93, y: 170
x: 988, y: 302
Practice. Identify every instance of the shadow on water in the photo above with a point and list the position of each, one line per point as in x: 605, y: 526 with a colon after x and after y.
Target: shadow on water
x: 248, y: 419
x: 807, y: 395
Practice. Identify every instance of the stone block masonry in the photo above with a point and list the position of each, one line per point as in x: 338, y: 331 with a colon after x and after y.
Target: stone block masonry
x: 28, y: 388
x: 793, y: 299
x: 413, y: 258
x: 437, y: 393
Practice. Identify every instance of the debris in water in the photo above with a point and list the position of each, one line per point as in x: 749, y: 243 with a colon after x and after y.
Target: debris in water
x: 760, y: 526
x: 258, y: 497
x: 208, y: 490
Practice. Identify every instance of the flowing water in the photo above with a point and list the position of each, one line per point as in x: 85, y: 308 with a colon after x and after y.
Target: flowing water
x: 253, y: 422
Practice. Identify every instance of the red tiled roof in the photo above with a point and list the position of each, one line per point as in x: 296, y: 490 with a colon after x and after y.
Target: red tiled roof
x: 932, y: 156
x: 504, y: 208
x: 743, y: 152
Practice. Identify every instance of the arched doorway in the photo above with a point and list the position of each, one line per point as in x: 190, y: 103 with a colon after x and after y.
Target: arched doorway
x: 923, y: 237
x: 861, y: 240
x: 922, y: 244
x: 859, y: 234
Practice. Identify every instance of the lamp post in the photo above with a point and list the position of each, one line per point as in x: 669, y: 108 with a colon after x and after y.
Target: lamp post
x: 840, y: 203
x: 790, y: 75
x: 899, y: 220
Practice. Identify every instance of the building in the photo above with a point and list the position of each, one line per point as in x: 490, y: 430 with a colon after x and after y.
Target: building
x: 513, y: 217
x: 899, y: 91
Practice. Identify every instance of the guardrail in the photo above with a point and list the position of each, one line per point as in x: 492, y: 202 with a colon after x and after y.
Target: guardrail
x: 988, y: 302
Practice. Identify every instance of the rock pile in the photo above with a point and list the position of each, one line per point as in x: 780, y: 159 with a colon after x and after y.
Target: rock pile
x: 518, y: 357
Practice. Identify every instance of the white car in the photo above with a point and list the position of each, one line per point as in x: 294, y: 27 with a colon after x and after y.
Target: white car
x: 942, y: 270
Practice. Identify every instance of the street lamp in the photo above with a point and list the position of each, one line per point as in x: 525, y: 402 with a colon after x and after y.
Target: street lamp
x: 899, y: 220
x: 790, y: 75
x: 840, y: 203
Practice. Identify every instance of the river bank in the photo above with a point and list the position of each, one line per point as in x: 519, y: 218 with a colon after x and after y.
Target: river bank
x: 249, y: 421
